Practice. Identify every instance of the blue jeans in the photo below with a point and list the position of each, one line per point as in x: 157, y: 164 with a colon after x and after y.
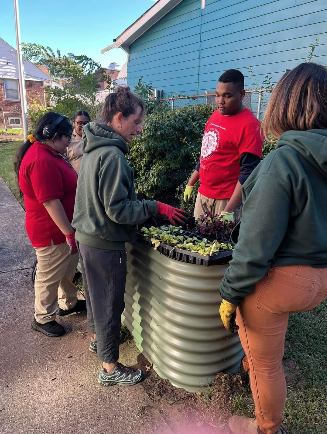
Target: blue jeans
x: 104, y: 278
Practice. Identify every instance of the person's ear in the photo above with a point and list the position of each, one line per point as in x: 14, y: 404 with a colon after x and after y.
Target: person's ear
x: 119, y: 120
x: 242, y: 94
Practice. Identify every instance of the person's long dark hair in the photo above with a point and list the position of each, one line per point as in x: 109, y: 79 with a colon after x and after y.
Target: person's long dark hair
x: 64, y: 128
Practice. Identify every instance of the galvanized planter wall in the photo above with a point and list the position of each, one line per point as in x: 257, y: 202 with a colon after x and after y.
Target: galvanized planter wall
x: 172, y: 313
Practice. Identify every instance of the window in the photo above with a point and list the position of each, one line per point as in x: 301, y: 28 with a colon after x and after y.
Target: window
x: 14, y: 122
x: 11, y: 89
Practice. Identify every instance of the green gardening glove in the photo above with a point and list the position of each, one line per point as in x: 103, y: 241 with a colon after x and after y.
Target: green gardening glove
x: 227, y: 216
x: 227, y: 313
x: 188, y: 192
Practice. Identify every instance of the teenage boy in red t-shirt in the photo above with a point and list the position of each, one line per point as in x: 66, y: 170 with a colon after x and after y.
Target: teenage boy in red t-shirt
x: 231, y: 148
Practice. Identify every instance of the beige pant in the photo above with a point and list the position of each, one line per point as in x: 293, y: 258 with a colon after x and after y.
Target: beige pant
x: 214, y: 206
x: 53, y: 283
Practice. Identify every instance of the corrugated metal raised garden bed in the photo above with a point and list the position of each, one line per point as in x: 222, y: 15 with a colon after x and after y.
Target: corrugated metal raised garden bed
x: 172, y: 306
x: 211, y: 252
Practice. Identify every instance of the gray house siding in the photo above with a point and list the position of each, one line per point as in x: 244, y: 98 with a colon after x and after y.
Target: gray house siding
x: 187, y: 50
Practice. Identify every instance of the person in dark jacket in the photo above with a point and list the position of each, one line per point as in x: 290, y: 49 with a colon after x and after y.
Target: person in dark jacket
x: 279, y: 263
x: 105, y: 218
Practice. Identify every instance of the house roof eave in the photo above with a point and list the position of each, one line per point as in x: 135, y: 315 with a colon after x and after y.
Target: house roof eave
x: 142, y: 24
x: 9, y: 65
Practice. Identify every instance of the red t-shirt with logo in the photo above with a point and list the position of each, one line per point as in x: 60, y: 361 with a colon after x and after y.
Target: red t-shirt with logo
x: 224, y: 140
x: 45, y: 175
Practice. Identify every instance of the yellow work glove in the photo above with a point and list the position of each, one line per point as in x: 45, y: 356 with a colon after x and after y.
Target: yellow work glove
x: 188, y: 192
x: 227, y: 313
x: 227, y: 216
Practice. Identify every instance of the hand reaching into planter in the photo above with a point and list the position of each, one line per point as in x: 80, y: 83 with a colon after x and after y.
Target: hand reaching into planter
x: 175, y: 215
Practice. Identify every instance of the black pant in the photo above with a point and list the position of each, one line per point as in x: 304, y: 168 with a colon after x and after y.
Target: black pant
x: 104, y: 278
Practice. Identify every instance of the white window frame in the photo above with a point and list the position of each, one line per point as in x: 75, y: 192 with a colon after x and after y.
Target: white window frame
x: 7, y: 80
x: 14, y: 125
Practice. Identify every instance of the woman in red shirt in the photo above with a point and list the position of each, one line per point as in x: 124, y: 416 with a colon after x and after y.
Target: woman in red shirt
x: 48, y: 183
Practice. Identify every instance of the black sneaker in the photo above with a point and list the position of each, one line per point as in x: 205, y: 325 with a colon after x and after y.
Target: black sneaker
x: 52, y: 328
x: 120, y: 375
x: 80, y: 306
x: 94, y: 343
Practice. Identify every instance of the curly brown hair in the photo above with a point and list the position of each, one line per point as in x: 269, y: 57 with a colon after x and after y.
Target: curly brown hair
x: 122, y: 101
x: 298, y: 102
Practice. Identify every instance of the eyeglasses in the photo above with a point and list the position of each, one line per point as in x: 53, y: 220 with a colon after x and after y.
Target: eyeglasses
x: 81, y: 123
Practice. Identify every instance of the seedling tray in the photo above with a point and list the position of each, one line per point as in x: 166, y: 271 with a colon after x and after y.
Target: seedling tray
x: 182, y: 255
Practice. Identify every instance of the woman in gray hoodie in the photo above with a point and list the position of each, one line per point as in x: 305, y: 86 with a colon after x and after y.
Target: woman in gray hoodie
x: 280, y: 260
x: 105, y: 217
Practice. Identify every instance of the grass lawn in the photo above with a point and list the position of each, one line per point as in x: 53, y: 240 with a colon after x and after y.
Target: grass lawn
x: 7, y: 156
x: 11, y: 131
x: 306, y: 369
x: 305, y: 352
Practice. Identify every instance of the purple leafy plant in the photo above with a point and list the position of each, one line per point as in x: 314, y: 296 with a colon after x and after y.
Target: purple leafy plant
x: 214, y: 227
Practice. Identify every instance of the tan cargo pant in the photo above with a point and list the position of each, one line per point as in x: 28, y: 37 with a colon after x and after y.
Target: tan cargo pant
x: 214, y: 206
x: 53, y: 283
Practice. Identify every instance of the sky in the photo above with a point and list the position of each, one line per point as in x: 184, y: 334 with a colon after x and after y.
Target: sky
x: 80, y: 27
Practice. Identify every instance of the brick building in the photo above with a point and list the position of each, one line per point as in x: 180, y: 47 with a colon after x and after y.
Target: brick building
x: 35, y: 82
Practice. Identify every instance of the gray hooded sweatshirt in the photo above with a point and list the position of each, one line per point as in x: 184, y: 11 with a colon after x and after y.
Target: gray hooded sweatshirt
x: 106, y: 209
x: 284, y: 220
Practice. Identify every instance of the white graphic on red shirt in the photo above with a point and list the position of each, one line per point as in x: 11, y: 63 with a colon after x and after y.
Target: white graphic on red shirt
x: 210, y: 143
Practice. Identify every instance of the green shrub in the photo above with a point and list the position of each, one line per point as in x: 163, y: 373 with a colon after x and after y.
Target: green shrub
x: 268, y: 146
x: 143, y: 90
x: 165, y: 155
x: 179, y: 196
x: 66, y: 106
x: 69, y: 104
x: 35, y: 111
